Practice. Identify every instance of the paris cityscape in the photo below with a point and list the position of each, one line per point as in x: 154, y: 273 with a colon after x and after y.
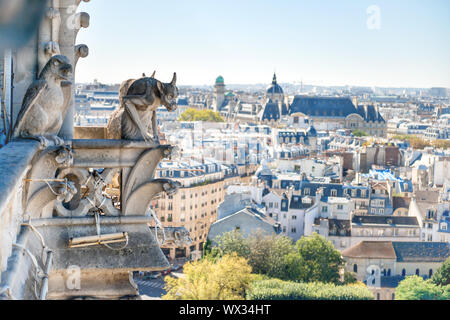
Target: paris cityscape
x: 219, y: 166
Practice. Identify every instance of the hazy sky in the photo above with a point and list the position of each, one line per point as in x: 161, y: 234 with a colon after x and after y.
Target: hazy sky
x: 326, y: 42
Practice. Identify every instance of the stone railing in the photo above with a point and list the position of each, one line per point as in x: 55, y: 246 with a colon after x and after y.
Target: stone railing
x: 75, y: 219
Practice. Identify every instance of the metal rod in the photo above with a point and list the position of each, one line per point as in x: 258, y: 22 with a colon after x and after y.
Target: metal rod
x: 48, y: 265
x: 74, y: 221
x: 44, y: 180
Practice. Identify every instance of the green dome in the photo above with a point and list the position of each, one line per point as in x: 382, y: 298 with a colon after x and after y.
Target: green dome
x: 219, y: 79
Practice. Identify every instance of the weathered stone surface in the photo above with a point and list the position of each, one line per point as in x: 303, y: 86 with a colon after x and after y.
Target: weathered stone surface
x: 141, y: 253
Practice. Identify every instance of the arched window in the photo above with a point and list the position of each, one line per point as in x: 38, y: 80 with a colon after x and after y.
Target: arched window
x: 430, y: 273
x: 403, y: 272
x: 355, y: 268
x: 418, y: 272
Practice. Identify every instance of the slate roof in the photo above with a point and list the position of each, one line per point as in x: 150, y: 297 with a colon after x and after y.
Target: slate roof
x: 271, y: 111
x: 297, y: 203
x: 369, y: 113
x: 284, y: 109
x: 401, y: 251
x: 421, y: 251
x: 391, y: 220
x: 322, y: 106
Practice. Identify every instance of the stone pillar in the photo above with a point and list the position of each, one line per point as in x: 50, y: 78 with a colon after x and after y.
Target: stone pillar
x: 71, y: 23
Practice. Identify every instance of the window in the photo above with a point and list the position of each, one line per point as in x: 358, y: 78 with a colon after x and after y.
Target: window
x: 340, y: 207
x: 417, y: 272
x: 294, y: 217
x: 430, y: 273
x: 355, y: 268
x: 334, y: 193
x: 403, y: 272
x: 294, y: 230
x: 324, y: 209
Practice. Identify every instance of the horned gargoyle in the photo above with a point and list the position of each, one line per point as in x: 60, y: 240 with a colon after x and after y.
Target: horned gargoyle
x: 137, y: 113
x: 45, y: 104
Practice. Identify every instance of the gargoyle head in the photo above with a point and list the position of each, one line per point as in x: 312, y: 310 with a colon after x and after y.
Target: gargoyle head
x: 65, y: 191
x: 58, y: 68
x: 171, y: 187
x: 64, y: 156
x: 169, y: 93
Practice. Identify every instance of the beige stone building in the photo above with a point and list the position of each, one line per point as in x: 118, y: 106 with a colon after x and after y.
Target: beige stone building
x: 383, y: 264
x: 195, y: 205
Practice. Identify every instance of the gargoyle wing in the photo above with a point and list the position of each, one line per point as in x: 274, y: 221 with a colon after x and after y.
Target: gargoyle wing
x: 33, y: 93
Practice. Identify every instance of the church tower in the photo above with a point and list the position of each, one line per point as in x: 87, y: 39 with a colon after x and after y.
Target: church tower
x: 219, y: 93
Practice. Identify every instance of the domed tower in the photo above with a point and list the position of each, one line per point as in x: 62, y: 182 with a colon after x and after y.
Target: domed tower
x: 219, y: 93
x: 274, y: 91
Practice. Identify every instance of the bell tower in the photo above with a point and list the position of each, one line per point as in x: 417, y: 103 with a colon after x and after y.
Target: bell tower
x: 219, y: 93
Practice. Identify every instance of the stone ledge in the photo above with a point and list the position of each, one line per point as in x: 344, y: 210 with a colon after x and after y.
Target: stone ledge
x: 15, y: 159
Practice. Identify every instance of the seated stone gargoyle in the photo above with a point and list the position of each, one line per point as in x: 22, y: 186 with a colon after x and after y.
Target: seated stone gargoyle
x: 45, y: 103
x: 136, y: 117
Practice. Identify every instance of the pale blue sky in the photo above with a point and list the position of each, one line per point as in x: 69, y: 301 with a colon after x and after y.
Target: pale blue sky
x: 324, y: 42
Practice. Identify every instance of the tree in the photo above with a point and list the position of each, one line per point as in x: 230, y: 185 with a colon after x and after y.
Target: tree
x: 268, y: 253
x: 229, y: 242
x: 319, y: 260
x: 265, y: 252
x: 192, y: 114
x: 359, y: 133
x: 442, y: 275
x: 227, y: 278
x: 416, y: 288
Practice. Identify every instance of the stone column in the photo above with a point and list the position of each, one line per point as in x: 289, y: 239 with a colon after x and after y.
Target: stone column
x: 71, y: 22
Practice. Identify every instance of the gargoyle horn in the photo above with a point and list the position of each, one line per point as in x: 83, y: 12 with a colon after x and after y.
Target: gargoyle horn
x: 153, y: 74
x: 174, y: 79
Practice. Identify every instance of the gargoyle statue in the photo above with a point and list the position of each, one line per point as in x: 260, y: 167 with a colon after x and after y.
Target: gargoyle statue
x: 45, y: 104
x: 137, y: 113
